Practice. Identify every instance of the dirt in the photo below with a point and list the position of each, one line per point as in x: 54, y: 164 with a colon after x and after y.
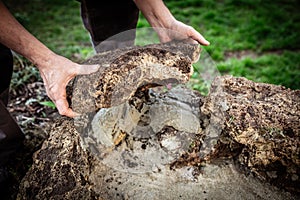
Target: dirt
x: 35, y: 121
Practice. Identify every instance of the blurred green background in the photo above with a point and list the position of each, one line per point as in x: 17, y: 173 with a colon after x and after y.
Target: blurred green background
x: 252, y: 38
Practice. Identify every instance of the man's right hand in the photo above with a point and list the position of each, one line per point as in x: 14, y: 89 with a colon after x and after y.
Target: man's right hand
x: 57, y: 75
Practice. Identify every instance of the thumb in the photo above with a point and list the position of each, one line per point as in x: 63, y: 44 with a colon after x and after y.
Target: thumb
x: 87, y: 69
x: 63, y: 108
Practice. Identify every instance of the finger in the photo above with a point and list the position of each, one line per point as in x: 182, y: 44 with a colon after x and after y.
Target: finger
x: 191, y: 41
x: 87, y: 69
x: 63, y: 108
x: 198, y: 37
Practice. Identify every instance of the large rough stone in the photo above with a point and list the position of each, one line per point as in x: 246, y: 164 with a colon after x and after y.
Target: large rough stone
x: 123, y: 71
x: 175, y: 145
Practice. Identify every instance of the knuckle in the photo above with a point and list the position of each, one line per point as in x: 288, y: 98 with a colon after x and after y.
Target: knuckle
x: 51, y: 92
x: 191, y: 30
x: 63, y: 111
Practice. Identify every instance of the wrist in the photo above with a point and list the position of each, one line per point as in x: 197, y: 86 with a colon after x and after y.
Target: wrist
x: 167, y: 21
x: 43, y: 58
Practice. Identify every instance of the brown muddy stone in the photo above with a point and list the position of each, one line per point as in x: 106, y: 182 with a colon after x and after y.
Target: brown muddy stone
x: 59, y: 171
x: 164, y: 158
x: 123, y: 71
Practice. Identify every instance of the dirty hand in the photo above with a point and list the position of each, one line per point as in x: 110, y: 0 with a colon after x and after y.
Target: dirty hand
x: 56, y: 75
x: 179, y: 31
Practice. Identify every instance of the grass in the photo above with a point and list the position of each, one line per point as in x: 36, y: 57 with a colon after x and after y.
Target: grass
x: 260, y: 27
x: 237, y: 25
x: 57, y: 23
x: 270, y: 68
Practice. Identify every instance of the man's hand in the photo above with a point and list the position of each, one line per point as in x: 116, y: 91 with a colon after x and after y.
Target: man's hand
x: 55, y: 70
x: 180, y: 31
x: 57, y: 76
x: 163, y: 22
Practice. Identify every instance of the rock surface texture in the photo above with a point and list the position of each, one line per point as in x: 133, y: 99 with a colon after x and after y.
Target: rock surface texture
x: 260, y: 122
x: 123, y: 71
x: 239, y: 142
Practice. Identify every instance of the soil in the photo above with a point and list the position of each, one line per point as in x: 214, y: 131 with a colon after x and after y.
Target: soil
x: 33, y: 118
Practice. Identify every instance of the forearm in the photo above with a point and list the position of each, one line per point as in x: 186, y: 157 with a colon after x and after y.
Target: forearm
x: 155, y: 11
x: 16, y: 37
x: 56, y: 71
x: 161, y: 19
